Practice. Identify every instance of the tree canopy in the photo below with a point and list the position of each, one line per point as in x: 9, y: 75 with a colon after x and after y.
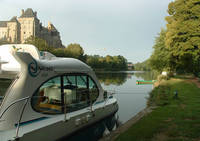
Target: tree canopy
x: 41, y: 44
x: 72, y: 50
x: 107, y: 63
x: 143, y: 66
x: 183, y: 35
x: 159, y: 59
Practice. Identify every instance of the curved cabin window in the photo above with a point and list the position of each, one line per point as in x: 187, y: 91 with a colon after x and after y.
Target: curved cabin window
x: 71, y: 92
x: 47, y: 99
x: 94, y: 92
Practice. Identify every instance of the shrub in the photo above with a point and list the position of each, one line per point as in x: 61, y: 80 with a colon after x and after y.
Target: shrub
x: 162, y: 77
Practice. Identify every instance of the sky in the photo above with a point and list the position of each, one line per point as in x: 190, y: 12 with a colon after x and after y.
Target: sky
x: 102, y: 27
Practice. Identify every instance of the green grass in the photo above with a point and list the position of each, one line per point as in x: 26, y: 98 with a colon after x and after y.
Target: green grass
x: 175, y: 119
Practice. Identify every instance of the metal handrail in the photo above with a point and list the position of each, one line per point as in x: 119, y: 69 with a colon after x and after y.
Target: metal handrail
x: 26, y: 99
x: 13, y: 103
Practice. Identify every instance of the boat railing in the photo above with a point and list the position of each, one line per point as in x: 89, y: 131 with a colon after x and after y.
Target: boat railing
x: 25, y: 99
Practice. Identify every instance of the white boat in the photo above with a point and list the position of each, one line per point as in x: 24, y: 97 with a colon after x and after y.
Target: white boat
x: 50, y: 99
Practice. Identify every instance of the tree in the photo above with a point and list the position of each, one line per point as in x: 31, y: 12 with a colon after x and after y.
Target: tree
x: 41, y: 44
x: 183, y: 35
x: 159, y: 60
x: 107, y: 63
x: 143, y: 66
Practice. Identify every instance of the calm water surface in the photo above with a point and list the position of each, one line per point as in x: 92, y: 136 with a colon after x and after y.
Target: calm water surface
x: 131, y: 98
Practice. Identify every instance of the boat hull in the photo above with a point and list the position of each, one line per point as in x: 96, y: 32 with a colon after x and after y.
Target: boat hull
x: 66, y: 129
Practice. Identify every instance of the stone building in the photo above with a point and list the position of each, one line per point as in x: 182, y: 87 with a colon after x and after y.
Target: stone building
x: 17, y: 30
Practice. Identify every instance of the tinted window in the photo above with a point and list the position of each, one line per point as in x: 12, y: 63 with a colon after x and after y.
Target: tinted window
x: 94, y: 93
x: 48, y: 97
x: 76, y: 92
x: 71, y: 92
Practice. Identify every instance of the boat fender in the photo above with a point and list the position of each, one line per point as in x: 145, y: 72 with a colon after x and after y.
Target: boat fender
x: 78, y: 122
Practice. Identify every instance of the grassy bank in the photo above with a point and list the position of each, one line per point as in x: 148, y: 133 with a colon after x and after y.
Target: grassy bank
x: 175, y: 119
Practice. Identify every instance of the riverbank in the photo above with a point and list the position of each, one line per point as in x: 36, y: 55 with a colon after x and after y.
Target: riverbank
x: 176, y: 118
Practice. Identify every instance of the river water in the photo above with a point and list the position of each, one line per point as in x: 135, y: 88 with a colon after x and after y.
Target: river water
x: 131, y: 97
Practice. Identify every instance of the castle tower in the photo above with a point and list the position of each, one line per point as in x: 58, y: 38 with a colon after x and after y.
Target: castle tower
x: 29, y: 24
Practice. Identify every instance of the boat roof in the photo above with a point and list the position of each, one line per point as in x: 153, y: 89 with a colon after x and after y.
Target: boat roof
x: 62, y: 65
x: 66, y: 65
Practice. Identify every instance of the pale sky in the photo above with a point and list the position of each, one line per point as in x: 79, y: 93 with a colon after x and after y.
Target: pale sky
x: 114, y: 27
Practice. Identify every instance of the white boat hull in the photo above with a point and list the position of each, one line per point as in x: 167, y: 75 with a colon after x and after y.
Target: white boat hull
x: 60, y: 128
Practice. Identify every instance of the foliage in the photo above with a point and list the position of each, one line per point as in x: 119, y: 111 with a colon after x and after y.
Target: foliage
x: 162, y: 77
x: 72, y: 50
x: 159, y: 60
x: 41, y: 44
x: 183, y: 35
x: 144, y: 66
x: 107, y: 63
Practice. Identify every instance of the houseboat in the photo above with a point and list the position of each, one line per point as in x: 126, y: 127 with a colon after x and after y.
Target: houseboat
x: 48, y: 99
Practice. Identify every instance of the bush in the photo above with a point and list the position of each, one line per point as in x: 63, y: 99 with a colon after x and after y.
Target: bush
x: 162, y: 77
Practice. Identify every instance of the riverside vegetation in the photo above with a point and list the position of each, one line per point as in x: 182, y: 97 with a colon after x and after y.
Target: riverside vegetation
x: 174, y: 119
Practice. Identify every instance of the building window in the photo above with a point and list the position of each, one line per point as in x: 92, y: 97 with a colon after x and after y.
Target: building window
x: 71, y: 92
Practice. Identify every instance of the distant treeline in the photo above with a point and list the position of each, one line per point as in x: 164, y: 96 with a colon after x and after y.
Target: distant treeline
x: 107, y: 63
x: 111, y: 63
x: 144, y: 66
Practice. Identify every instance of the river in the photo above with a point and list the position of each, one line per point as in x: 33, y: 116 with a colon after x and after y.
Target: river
x: 131, y: 97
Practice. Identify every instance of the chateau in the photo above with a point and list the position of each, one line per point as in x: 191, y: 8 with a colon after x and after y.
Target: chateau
x: 17, y: 30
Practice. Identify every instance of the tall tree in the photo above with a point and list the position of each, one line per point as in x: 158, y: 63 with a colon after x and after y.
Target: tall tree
x: 75, y: 51
x: 159, y: 60
x: 183, y: 35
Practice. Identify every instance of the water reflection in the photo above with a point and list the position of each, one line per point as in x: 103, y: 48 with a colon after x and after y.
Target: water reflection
x: 149, y: 75
x: 112, y: 78
x: 131, y: 97
x: 119, y: 78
